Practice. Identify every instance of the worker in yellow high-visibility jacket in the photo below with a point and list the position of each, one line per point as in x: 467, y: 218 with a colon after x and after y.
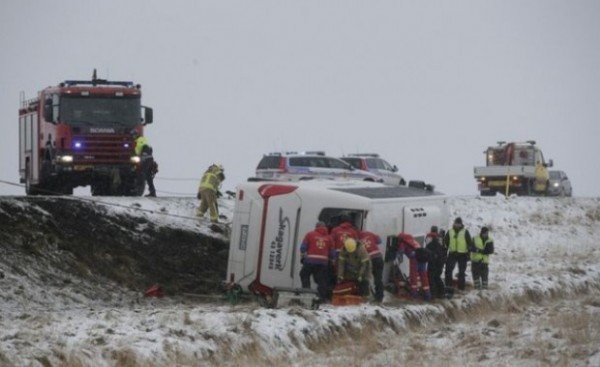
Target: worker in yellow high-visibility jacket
x: 208, y: 190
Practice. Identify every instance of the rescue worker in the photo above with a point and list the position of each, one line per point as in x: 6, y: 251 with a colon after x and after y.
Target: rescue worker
x: 208, y: 191
x: 436, y: 264
x: 541, y: 179
x: 418, y: 258
x: 354, y: 265
x: 316, y: 252
x: 458, y: 241
x: 343, y: 231
x: 372, y: 241
x: 147, y: 165
x: 480, y: 258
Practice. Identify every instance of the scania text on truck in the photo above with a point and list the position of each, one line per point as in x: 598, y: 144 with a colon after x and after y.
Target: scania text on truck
x: 513, y: 168
x: 78, y: 133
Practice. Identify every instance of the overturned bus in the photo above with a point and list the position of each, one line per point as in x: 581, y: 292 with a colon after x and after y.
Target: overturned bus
x: 270, y: 220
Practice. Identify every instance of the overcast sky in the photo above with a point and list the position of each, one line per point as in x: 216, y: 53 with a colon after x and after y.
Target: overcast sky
x: 428, y: 85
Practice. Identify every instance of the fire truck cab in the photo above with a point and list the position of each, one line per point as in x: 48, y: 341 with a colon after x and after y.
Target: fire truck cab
x: 78, y: 134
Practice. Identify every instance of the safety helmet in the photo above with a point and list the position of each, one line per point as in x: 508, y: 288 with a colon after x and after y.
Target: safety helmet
x: 216, y: 168
x: 350, y: 245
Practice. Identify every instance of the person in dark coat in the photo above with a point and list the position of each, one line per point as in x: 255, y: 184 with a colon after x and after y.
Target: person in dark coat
x: 459, y: 242
x: 147, y: 165
x: 436, y: 264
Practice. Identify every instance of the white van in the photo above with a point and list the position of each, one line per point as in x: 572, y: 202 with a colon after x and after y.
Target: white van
x: 271, y: 219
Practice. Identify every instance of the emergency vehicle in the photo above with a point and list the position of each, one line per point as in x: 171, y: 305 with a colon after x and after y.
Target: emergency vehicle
x: 373, y: 163
x: 78, y: 133
x: 511, y: 169
x: 270, y: 220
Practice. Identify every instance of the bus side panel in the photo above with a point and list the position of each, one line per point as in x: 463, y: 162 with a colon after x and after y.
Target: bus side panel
x: 418, y: 220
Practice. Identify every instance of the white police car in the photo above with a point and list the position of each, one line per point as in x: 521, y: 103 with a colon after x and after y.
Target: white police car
x: 296, y: 166
x: 373, y: 163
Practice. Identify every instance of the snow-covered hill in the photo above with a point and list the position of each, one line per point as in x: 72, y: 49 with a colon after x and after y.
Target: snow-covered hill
x: 542, y: 309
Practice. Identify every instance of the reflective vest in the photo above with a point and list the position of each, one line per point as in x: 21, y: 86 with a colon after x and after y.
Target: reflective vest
x: 478, y: 257
x: 458, y: 242
x: 139, y: 144
x: 352, y: 266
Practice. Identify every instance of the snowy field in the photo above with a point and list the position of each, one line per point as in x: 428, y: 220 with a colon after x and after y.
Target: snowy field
x: 542, y: 308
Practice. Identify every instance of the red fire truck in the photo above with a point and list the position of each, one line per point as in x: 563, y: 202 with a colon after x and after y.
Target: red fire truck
x: 78, y: 134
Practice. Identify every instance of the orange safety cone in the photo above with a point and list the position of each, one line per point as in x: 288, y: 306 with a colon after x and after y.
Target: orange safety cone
x: 154, y: 291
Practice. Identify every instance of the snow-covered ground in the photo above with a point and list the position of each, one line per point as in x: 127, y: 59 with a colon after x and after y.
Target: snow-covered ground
x: 543, y: 308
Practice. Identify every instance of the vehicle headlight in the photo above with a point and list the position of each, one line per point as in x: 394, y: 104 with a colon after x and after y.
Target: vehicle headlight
x: 135, y: 159
x: 65, y: 158
x: 556, y: 184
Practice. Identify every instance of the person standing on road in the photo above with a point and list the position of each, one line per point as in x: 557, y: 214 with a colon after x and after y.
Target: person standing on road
x: 316, y: 252
x: 436, y: 264
x: 372, y: 241
x: 209, y: 190
x: 458, y: 240
x: 480, y: 258
x: 147, y: 165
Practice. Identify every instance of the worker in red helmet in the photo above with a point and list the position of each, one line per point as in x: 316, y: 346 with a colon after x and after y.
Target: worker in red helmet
x: 418, y: 258
x: 316, y: 252
x: 372, y: 241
